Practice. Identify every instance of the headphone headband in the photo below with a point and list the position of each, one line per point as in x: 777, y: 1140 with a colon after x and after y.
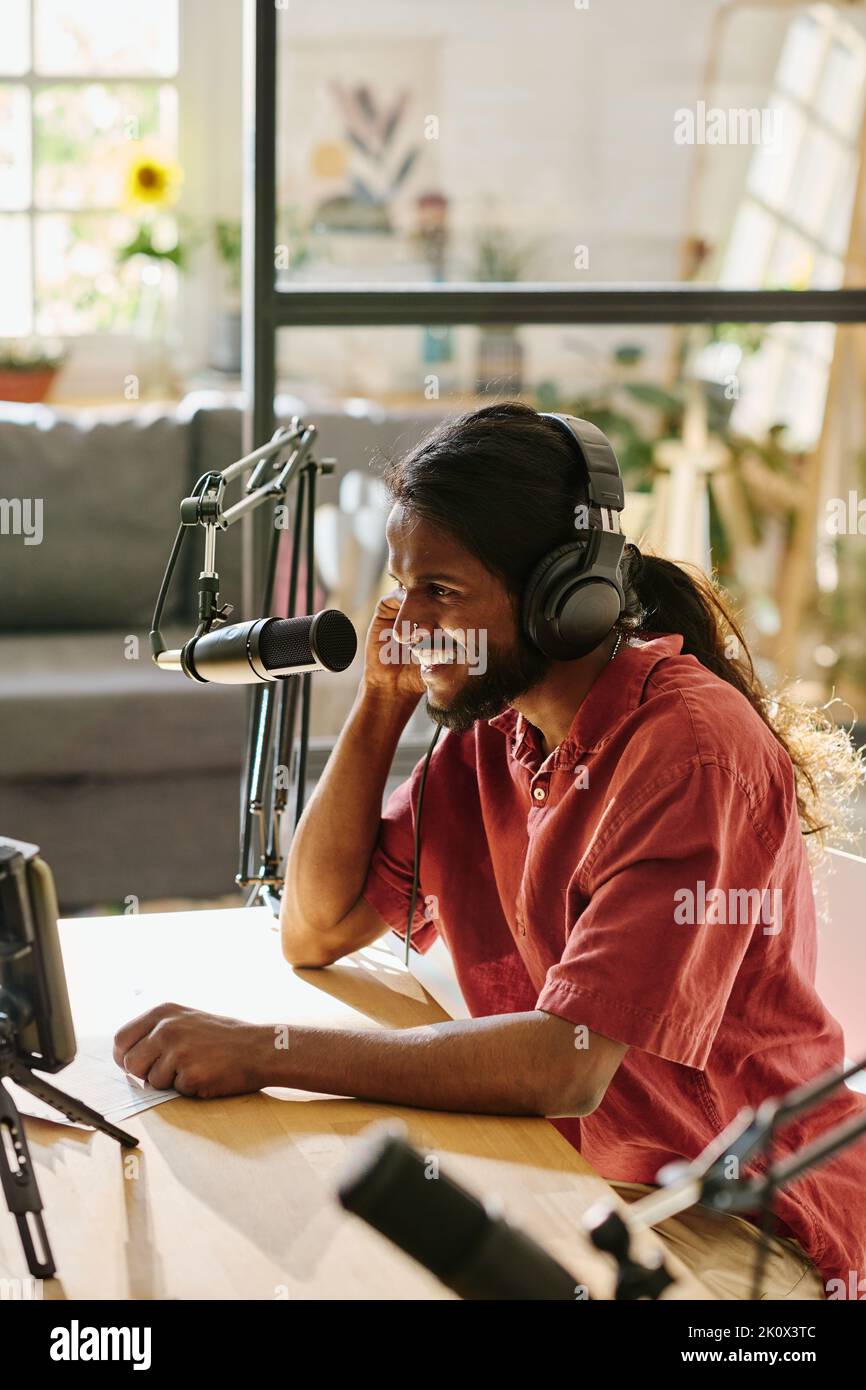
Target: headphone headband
x: 598, y: 458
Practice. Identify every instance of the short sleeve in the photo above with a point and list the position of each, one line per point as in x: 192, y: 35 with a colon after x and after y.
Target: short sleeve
x: 388, y: 886
x: 677, y: 888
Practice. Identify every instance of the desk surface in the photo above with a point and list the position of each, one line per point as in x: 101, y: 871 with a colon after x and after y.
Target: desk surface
x: 234, y: 1198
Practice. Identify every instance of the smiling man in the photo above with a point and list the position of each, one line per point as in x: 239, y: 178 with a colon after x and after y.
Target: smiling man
x: 569, y: 807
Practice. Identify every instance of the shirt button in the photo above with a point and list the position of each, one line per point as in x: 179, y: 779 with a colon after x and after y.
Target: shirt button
x: 539, y: 793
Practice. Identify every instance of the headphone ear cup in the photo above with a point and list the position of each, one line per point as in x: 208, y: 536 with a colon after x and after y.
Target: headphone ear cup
x: 536, y: 596
x: 590, y: 611
x: 566, y: 613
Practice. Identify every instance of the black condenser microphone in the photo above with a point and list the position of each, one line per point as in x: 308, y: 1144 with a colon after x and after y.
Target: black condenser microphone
x: 464, y: 1242
x: 266, y: 649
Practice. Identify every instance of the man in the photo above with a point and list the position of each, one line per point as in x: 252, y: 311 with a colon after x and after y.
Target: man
x: 611, y: 850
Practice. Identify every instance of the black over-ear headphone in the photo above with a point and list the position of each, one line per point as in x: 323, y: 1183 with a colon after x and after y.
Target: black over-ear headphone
x: 574, y: 596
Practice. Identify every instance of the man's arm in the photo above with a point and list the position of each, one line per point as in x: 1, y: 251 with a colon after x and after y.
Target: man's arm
x: 506, y: 1064
x: 322, y: 915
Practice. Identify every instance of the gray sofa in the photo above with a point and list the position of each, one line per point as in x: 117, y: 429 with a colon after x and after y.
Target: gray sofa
x: 128, y: 777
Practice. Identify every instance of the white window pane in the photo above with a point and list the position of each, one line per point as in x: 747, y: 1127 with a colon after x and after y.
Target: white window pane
x: 828, y: 273
x: 791, y: 263
x: 15, y: 277
x: 840, y: 94
x: 817, y: 339
x: 106, y: 37
x: 14, y: 147
x: 822, y: 164
x: 773, y: 165
x: 802, y: 397
x: 801, y: 57
x: 760, y: 374
x: 749, y: 248
x: 15, y: 37
x: 837, y: 221
x: 83, y: 144
x: 784, y: 384
x: 80, y: 288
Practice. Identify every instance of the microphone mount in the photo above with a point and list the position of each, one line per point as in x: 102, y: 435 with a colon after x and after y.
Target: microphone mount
x: 708, y: 1179
x: 284, y: 462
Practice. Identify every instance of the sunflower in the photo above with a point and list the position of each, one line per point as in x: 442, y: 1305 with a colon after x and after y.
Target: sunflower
x: 152, y: 181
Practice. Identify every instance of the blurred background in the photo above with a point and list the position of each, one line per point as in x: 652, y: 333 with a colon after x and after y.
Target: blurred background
x: 491, y: 144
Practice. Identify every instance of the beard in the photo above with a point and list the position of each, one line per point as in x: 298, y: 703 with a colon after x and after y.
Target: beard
x: 509, y: 673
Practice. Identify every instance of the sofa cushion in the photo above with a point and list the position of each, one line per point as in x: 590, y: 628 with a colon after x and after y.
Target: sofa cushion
x: 109, y: 488
x: 77, y: 703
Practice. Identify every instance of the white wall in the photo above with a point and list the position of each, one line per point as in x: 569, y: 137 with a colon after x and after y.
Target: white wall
x: 565, y: 117
x: 210, y: 151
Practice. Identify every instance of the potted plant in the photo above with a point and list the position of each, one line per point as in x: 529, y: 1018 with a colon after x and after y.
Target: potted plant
x: 152, y: 186
x: 27, y: 368
x: 500, y: 353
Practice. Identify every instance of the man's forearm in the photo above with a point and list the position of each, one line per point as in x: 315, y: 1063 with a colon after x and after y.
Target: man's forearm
x: 505, y: 1064
x: 498, y: 1065
x: 334, y: 839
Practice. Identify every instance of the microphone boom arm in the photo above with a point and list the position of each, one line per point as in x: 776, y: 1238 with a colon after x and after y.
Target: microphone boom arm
x: 706, y: 1179
x: 271, y: 731
x: 204, y: 508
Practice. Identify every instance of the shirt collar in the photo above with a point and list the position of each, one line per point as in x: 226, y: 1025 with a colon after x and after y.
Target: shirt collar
x: 615, y: 693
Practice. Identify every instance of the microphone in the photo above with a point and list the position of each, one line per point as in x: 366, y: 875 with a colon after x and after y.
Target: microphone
x: 464, y: 1242
x: 266, y: 649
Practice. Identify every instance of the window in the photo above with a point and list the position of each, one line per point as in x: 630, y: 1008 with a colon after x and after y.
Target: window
x: 80, y: 82
x: 792, y: 226
x: 793, y: 222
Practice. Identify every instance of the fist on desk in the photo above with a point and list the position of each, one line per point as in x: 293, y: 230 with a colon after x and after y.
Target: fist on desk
x: 197, y: 1054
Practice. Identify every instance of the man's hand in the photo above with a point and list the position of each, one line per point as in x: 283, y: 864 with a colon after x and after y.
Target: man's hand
x: 195, y: 1053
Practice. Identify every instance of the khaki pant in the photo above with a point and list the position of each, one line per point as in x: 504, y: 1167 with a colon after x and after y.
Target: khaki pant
x: 720, y: 1250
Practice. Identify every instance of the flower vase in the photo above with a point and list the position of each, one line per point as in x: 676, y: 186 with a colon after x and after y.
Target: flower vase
x: 153, y: 355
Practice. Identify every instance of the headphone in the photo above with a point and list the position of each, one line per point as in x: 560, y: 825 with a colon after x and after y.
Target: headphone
x: 574, y: 595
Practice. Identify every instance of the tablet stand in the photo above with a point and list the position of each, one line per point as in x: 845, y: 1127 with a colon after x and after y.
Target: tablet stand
x: 17, y: 1175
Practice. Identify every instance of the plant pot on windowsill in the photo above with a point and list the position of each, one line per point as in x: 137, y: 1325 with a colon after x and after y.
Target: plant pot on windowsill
x: 225, y: 353
x: 25, y: 383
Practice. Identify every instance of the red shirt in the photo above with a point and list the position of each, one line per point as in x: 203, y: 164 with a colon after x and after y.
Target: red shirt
x: 582, y: 884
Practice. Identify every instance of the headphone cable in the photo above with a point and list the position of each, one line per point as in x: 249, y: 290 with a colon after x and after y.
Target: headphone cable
x: 411, y: 916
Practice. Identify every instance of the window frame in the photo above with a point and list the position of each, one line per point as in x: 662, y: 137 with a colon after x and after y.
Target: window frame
x: 32, y: 82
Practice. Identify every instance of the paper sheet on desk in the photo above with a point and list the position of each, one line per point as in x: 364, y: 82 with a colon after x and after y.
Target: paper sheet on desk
x: 95, y: 1078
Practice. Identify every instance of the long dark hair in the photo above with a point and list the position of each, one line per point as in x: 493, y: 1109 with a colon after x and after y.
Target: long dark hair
x: 503, y: 482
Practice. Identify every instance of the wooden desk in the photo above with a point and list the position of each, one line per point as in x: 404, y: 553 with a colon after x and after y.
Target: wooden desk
x: 234, y: 1199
